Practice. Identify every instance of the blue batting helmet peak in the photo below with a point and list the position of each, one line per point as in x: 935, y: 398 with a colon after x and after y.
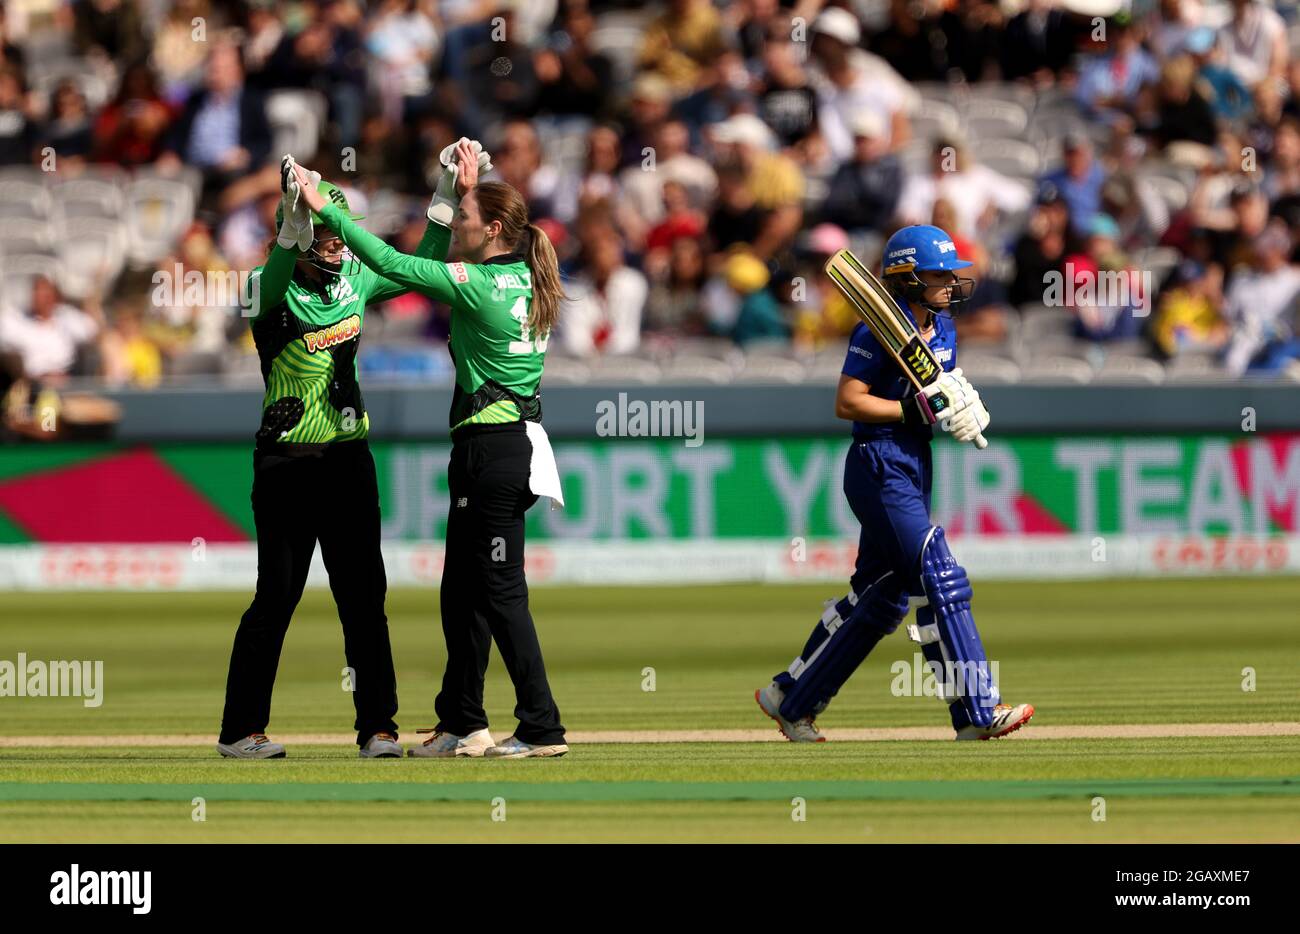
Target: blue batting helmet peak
x: 920, y: 247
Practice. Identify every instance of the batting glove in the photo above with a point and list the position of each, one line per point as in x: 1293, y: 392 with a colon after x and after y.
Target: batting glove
x: 969, y: 422
x: 939, y: 401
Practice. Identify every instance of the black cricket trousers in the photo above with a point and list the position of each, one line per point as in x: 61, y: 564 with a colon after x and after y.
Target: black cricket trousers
x: 484, y: 595
x: 330, y: 497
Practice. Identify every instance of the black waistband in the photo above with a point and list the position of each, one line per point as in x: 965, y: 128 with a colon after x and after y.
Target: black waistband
x: 465, y: 432
x: 300, y: 449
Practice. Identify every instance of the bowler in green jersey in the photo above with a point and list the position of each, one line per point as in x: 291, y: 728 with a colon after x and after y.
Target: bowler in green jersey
x: 502, y: 282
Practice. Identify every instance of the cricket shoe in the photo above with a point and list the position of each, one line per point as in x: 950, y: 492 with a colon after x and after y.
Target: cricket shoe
x: 450, y: 746
x: 803, y: 730
x: 255, y: 746
x: 513, y: 748
x: 381, y: 746
x: 1006, y: 719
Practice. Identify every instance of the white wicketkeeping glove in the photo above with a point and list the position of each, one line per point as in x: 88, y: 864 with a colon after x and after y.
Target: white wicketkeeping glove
x: 296, y: 229
x: 442, y: 209
x: 448, y: 154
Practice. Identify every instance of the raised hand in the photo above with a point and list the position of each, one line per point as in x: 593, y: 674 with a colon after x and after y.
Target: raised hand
x: 467, y: 162
x: 307, y: 182
x: 296, y: 230
x: 462, y: 162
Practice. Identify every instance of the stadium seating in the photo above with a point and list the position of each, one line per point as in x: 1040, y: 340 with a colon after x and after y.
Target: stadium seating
x: 158, y: 210
x: 98, y: 227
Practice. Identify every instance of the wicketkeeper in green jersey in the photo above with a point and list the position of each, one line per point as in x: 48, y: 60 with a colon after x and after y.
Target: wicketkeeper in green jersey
x: 313, y: 474
x: 503, y: 286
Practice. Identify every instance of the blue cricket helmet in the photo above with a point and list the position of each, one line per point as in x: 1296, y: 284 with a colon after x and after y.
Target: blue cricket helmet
x: 924, y: 248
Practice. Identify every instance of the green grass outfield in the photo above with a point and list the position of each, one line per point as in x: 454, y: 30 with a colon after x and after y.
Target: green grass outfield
x: 1140, y: 652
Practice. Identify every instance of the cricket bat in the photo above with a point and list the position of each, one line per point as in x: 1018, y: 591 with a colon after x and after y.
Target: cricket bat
x: 889, y: 323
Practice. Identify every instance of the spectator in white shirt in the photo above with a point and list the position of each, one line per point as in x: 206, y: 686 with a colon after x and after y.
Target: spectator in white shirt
x: 1260, y: 305
x: 849, y: 81
x: 1254, y: 42
x: 643, y: 184
x: 607, y: 300
x: 403, y: 42
x: 48, y: 335
x: 1170, y: 27
x: 976, y: 192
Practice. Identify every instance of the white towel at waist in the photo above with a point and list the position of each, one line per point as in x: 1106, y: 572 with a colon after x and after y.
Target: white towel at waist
x: 543, y: 475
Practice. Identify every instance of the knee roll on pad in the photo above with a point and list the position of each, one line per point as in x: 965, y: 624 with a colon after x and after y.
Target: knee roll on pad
x: 950, y: 643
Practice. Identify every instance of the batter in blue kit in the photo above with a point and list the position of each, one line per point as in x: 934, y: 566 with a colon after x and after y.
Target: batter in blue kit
x: 903, y: 557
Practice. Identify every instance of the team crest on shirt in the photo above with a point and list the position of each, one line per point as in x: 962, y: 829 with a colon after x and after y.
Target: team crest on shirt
x: 333, y: 334
x: 341, y: 291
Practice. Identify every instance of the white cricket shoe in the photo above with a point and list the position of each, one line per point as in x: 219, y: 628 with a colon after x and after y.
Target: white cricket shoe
x: 255, y: 746
x: 450, y: 746
x: 803, y: 730
x: 1006, y: 719
x: 381, y: 746
x: 512, y: 748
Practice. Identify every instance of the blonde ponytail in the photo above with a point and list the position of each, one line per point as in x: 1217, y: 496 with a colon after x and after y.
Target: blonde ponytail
x: 547, y: 291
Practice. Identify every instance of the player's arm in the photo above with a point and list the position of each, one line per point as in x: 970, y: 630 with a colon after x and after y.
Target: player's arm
x: 405, y: 271
x: 855, y: 403
x: 267, y: 286
x: 426, y: 276
x: 433, y: 245
x: 463, y: 162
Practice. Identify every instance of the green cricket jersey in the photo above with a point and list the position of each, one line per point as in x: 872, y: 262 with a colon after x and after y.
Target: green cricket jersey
x: 307, y: 339
x: 498, y: 360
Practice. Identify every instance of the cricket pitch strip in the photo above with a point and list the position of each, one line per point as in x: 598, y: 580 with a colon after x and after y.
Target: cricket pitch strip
x: 897, y: 734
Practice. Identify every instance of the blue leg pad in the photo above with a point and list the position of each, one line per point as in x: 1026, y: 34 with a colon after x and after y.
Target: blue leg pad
x: 950, y: 643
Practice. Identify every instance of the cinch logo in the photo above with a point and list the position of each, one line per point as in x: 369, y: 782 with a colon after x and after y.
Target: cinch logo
x: 103, y: 888
x: 945, y: 246
x: 333, y: 334
x: 942, y: 354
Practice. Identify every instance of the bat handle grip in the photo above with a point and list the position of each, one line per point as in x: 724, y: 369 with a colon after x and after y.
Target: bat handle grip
x: 980, y: 442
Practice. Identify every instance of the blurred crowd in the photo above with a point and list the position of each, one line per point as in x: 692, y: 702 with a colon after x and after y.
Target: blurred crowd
x: 695, y: 163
